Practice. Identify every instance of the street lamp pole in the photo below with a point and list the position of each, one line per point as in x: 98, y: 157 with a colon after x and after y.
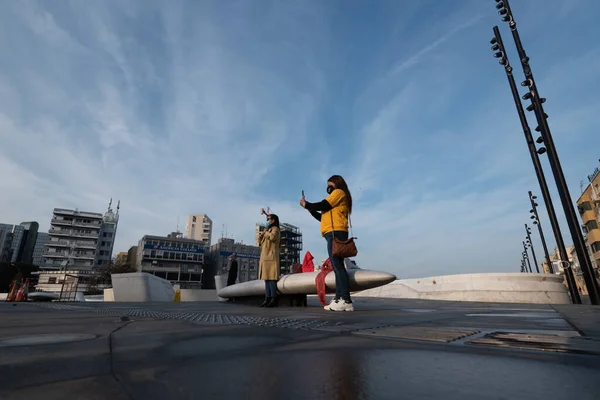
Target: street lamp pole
x: 530, y: 244
x: 526, y: 256
x: 498, y: 46
x: 546, y: 137
x: 536, y: 221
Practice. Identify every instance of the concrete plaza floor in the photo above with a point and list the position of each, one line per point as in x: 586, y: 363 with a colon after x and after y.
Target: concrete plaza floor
x: 387, y: 349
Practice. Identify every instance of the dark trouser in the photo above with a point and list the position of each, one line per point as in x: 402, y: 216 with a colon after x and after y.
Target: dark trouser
x: 271, y: 288
x: 342, y: 284
x: 232, y: 277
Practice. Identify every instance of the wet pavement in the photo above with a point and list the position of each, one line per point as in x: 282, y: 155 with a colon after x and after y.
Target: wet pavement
x: 387, y: 349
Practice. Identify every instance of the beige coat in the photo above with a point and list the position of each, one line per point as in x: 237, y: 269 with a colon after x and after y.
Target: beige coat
x: 268, y: 268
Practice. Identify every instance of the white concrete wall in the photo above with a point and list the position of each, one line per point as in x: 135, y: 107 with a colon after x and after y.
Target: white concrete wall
x: 492, y: 287
x: 141, y: 286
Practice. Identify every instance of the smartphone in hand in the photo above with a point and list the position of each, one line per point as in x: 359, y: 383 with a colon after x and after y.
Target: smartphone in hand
x: 302, y: 193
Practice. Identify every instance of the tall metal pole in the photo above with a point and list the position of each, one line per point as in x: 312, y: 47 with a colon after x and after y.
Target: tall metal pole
x: 532, y: 250
x: 526, y: 255
x: 561, y: 183
x: 498, y: 44
x: 539, y: 225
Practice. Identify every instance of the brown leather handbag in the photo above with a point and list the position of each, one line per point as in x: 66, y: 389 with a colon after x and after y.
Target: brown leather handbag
x: 343, y: 248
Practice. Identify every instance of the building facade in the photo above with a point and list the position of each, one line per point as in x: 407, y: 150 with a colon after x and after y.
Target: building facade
x: 17, y: 242
x: 247, y: 256
x: 80, y: 239
x: 199, y: 227
x: 6, y: 242
x: 107, y: 235
x: 132, y: 256
x: 38, y: 249
x: 173, y: 257
x: 121, y: 258
x: 588, y: 206
x: 291, y: 245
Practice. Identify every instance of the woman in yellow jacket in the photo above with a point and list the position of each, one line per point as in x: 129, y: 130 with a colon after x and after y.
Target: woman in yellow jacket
x: 333, y: 212
x: 268, y: 269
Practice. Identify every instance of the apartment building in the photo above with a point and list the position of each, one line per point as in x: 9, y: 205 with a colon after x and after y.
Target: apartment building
x: 199, y: 227
x: 80, y: 239
x: 588, y: 206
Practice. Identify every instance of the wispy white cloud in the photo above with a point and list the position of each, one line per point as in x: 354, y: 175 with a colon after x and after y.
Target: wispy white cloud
x: 224, y: 108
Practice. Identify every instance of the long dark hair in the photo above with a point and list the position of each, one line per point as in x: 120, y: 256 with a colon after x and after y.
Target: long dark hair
x: 275, y: 219
x: 341, y: 184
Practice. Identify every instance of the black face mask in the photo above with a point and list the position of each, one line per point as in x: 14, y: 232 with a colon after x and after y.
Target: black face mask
x: 329, y: 189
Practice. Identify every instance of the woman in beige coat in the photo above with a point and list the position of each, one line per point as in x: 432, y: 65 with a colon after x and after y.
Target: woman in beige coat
x: 268, y: 270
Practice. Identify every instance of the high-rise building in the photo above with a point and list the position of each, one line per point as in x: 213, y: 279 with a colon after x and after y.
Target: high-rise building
x: 17, y: 242
x: 291, y: 245
x: 588, y: 205
x: 177, y: 259
x: 199, y: 227
x: 80, y: 239
x: 246, y: 255
x: 28, y: 242
x: 107, y: 235
x: 38, y: 250
x: 6, y: 242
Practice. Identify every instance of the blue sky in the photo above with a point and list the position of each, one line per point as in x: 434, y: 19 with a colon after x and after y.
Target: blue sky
x: 224, y: 107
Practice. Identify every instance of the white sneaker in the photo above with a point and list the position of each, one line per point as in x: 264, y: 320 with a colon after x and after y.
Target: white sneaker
x: 341, y: 305
x: 334, y: 301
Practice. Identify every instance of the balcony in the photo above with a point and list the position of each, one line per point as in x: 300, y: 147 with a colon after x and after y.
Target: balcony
x: 61, y: 265
x: 58, y: 254
x: 75, y: 222
x: 71, y: 233
x: 85, y: 256
x: 80, y: 244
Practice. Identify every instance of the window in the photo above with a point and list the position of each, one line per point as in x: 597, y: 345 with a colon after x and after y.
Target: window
x: 595, y: 247
x: 592, y: 224
x: 52, y: 279
x: 585, y: 206
x: 193, y: 219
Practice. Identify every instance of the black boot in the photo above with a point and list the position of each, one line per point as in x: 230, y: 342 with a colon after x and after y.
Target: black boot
x: 272, y: 302
x: 264, y: 303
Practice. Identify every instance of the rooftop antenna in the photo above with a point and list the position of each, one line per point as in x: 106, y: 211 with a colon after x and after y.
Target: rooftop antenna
x: 118, y: 206
x: 110, y: 204
x: 222, y: 231
x: 177, y: 230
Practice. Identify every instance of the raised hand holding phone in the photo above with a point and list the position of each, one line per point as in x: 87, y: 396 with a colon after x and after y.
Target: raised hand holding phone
x: 302, y: 200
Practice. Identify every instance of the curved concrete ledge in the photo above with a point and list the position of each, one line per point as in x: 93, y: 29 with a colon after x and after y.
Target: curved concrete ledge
x: 304, y: 283
x: 492, y: 287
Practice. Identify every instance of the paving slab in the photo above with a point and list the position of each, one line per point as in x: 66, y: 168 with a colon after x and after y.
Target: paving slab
x: 387, y: 349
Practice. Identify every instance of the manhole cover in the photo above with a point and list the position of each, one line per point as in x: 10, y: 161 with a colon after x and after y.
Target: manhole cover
x: 33, y: 340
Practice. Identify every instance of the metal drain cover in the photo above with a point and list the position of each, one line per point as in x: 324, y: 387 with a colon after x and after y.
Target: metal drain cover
x: 33, y: 340
x: 541, y: 342
x: 442, y: 335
